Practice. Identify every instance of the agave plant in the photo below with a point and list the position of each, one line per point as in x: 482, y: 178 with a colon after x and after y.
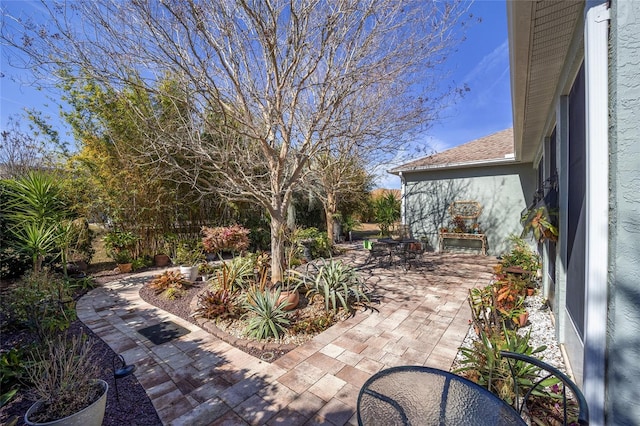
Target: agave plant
x: 267, y: 318
x: 483, y: 364
x: 337, y: 283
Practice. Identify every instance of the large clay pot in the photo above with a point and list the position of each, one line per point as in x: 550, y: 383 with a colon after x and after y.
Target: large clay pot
x: 125, y: 267
x: 161, y: 260
x: 90, y: 416
x: 292, y: 297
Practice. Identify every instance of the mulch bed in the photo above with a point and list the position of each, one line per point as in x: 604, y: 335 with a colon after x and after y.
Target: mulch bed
x: 133, y: 407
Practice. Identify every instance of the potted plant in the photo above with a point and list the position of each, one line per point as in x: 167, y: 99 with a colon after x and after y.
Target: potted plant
x: 165, y: 250
x: 188, y: 258
x: 206, y: 270
x: 124, y: 260
x: 540, y: 223
x: 65, y: 380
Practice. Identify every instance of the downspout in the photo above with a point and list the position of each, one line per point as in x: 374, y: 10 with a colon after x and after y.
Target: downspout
x: 403, y: 201
x: 596, y: 34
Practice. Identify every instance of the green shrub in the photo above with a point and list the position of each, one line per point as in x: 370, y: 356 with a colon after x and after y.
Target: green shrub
x: 13, y: 262
x: 42, y: 302
x: 12, y: 370
x: 260, y: 239
x: 317, y: 241
x: 116, y: 241
x: 141, y: 262
x: 337, y: 283
x: 267, y: 318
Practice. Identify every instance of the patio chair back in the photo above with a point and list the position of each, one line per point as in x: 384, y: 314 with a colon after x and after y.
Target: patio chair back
x: 547, y: 372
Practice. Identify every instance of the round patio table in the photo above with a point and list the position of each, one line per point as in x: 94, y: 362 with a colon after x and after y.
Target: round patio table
x: 415, y: 395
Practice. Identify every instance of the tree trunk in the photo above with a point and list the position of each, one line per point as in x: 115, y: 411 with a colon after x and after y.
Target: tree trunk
x: 329, y: 212
x: 277, y: 248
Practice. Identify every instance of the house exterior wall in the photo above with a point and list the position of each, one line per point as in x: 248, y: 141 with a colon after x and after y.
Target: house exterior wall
x: 502, y: 190
x: 623, y: 346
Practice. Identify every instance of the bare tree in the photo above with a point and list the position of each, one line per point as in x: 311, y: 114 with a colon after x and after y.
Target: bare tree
x: 269, y: 83
x: 26, y: 149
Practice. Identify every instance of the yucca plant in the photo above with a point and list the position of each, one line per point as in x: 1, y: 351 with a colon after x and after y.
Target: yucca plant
x: 267, y: 318
x: 37, y: 240
x: 34, y: 207
x: 337, y: 283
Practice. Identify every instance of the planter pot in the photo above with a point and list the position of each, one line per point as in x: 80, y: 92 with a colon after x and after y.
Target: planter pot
x: 292, y: 298
x: 161, y: 260
x: 531, y: 291
x: 90, y: 416
x: 125, y: 267
x: 189, y: 273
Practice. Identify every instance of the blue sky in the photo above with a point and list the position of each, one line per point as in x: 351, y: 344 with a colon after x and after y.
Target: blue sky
x: 481, y: 62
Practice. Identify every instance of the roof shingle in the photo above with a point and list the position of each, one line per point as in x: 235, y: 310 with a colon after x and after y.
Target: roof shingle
x: 494, y: 147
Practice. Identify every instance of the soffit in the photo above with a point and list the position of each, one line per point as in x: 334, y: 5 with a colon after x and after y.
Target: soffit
x: 540, y: 34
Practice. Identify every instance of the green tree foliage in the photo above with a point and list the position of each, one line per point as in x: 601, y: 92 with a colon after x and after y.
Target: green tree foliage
x: 115, y: 127
x: 387, y: 211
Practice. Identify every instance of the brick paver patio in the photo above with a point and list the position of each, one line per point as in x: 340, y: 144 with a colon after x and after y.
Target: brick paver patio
x: 421, y: 319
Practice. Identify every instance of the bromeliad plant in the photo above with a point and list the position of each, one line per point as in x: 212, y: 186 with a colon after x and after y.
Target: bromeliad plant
x: 213, y: 304
x: 171, y: 284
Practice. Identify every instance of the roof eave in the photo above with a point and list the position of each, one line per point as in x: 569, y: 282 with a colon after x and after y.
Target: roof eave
x: 519, y: 24
x: 449, y: 166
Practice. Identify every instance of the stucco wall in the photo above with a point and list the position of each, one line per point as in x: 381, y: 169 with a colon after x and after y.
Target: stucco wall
x: 623, y: 351
x: 503, y: 191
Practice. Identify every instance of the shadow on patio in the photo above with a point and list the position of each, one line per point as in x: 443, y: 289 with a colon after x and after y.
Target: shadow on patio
x: 420, y: 317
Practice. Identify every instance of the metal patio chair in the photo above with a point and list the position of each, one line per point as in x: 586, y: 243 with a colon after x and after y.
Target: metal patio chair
x: 547, y: 372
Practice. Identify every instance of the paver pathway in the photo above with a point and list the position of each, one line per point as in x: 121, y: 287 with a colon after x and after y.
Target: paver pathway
x: 199, y: 379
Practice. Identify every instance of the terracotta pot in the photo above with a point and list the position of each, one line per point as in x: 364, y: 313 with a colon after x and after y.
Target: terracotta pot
x: 161, y: 260
x: 125, y: 267
x: 292, y: 297
x: 531, y: 291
